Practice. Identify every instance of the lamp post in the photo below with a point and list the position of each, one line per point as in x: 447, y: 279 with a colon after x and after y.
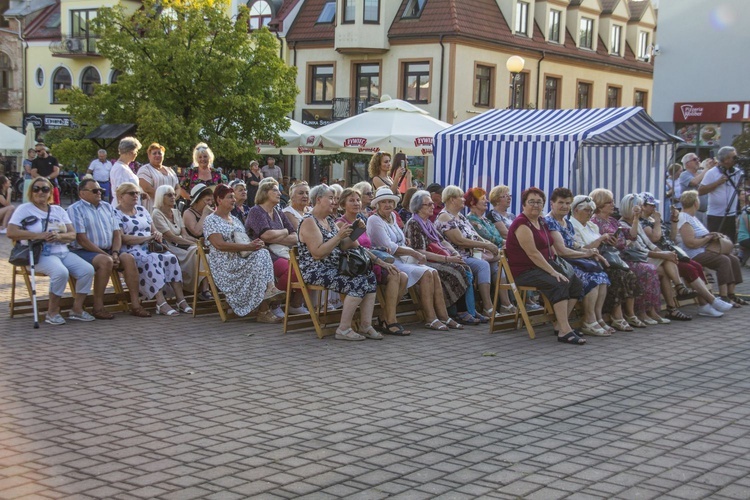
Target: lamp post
x: 515, y: 66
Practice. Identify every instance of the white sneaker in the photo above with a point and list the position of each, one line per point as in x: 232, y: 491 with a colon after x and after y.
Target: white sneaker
x: 55, y: 319
x: 298, y: 310
x: 84, y: 316
x: 707, y: 310
x: 533, y: 307
x: 278, y: 312
x: 720, y: 305
x: 3, y: 231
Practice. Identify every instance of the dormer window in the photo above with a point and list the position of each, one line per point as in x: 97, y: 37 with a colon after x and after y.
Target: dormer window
x: 413, y: 9
x: 554, y: 26
x: 522, y: 18
x: 616, y: 37
x: 327, y: 14
x: 586, y: 36
x: 643, y: 51
x: 260, y: 14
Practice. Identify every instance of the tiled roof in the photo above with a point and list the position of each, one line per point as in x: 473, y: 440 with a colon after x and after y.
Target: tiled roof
x: 277, y: 23
x: 305, y: 27
x: 24, y: 8
x: 46, y: 25
x: 608, y: 6
x: 475, y: 18
x: 637, y: 9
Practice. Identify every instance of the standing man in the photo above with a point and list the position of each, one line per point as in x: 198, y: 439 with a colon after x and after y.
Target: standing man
x: 47, y: 166
x: 270, y: 169
x: 690, y: 178
x: 98, y: 242
x: 720, y: 184
x: 99, y: 170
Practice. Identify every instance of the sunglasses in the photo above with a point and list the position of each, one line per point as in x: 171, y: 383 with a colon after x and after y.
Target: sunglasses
x: 132, y: 193
x: 43, y: 189
x: 95, y: 190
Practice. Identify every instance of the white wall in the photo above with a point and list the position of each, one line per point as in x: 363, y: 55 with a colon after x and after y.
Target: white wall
x: 703, y: 53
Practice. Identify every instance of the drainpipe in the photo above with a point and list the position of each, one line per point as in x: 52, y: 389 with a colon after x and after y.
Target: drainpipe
x: 539, y: 77
x: 294, y: 48
x: 281, y: 46
x: 442, y: 68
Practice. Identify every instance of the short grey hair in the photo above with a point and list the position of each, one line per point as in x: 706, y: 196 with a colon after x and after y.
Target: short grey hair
x: 628, y: 202
x: 417, y: 200
x: 102, y: 151
x: 129, y: 145
x: 724, y: 152
x: 317, y: 192
x: 337, y: 189
x: 161, y: 191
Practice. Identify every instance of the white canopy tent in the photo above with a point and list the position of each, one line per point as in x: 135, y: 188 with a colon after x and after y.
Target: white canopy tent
x: 11, y: 141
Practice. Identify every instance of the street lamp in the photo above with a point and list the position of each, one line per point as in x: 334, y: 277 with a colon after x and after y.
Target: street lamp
x: 515, y: 66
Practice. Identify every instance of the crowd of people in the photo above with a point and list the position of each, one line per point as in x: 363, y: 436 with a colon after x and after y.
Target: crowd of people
x: 445, y: 242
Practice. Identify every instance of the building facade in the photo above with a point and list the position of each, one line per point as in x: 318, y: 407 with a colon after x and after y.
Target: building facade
x: 449, y: 56
x: 700, y: 89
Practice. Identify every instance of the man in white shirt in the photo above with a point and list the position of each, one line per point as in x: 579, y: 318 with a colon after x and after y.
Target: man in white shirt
x: 270, y: 169
x: 99, y: 169
x: 720, y: 184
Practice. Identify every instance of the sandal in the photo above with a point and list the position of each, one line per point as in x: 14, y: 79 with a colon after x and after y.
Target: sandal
x: 453, y: 324
x: 140, y: 313
x: 170, y: 311
x: 103, y: 315
x: 482, y: 318
x: 738, y: 300
x: 684, y: 292
x: 466, y: 319
x: 635, y: 322
x: 205, y: 295
x: 186, y: 309
x: 571, y: 338
x: 606, y: 327
x: 621, y: 325
x: 735, y: 305
x: 371, y: 333
x: 388, y: 329
x: 439, y: 326
x: 678, y: 315
x: 661, y: 321
x: 594, y: 329
x: 273, y: 292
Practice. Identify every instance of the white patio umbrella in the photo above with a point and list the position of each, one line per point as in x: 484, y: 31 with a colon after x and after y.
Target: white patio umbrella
x: 293, y: 145
x: 29, y: 141
x: 393, y: 126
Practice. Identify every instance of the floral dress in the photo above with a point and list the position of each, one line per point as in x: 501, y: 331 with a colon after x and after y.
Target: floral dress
x: 453, y: 276
x: 243, y: 281
x: 155, y: 269
x: 647, y: 280
x: 590, y: 280
x: 486, y: 229
x: 191, y: 179
x: 463, y: 225
x: 325, y: 272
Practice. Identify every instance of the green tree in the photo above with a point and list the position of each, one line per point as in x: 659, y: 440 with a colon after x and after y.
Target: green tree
x: 189, y: 74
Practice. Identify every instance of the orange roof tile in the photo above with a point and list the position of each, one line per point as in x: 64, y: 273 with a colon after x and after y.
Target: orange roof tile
x: 306, y: 28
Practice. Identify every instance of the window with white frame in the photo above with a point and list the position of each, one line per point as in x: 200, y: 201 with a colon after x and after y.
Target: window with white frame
x: 89, y: 78
x: 522, y: 18
x: 61, y: 80
x: 553, y: 33
x: 615, y: 40
x: 586, y: 33
x: 413, y: 9
x: 260, y: 14
x: 643, y: 45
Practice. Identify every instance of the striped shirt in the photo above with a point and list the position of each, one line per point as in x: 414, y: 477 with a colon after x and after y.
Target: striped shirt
x: 97, y: 222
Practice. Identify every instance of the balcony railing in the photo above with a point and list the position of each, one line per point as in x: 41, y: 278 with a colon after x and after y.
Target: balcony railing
x: 74, y: 46
x: 344, y: 107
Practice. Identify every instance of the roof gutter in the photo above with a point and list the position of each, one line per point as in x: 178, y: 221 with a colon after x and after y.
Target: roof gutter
x: 539, y: 77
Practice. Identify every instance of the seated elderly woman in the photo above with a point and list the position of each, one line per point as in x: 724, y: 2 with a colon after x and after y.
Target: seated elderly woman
x: 367, y: 192
x: 481, y: 255
x: 532, y: 261
x: 622, y: 281
x: 243, y: 271
x: 689, y: 269
x: 595, y: 282
x: 387, y: 273
x: 711, y: 250
x: 168, y: 221
x: 664, y: 263
x: 201, y: 206
x: 38, y: 219
x: 241, y: 209
x: 321, y: 243
x: 266, y: 222
x: 299, y: 203
x: 455, y: 276
x: 387, y: 236
x: 500, y: 198
x: 157, y: 270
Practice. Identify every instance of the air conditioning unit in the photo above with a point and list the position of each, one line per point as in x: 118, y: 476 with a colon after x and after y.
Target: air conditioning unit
x: 73, y: 45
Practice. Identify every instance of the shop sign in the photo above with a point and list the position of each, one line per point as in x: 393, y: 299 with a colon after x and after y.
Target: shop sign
x: 316, y: 118
x: 711, y: 112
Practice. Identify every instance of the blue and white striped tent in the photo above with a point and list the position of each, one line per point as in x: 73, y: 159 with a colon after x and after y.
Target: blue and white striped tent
x: 621, y: 149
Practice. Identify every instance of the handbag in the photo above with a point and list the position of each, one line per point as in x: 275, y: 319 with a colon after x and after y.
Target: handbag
x: 723, y: 246
x: 243, y: 238
x: 279, y: 250
x: 562, y: 266
x: 354, y: 262
x: 438, y: 249
x: 681, y: 255
x: 585, y: 264
x: 20, y: 253
x: 633, y: 254
x: 384, y: 256
x: 156, y: 247
x: 613, y: 258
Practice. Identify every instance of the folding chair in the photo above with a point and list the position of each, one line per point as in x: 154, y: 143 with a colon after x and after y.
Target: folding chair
x: 320, y: 317
x: 519, y: 293
x: 203, y: 270
x: 21, y: 307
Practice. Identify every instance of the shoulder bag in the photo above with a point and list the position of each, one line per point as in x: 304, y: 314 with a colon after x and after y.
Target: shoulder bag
x: 585, y: 264
x: 156, y: 247
x: 634, y: 254
x: 243, y: 238
x: 613, y: 258
x: 19, y: 254
x: 354, y: 262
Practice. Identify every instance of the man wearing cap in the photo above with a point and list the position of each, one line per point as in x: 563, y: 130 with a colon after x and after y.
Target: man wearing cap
x: 436, y: 194
x: 98, y: 242
x: 99, y: 169
x: 720, y: 184
x: 691, y: 179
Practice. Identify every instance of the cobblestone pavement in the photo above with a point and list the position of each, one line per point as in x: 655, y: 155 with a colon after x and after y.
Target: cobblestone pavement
x: 182, y: 408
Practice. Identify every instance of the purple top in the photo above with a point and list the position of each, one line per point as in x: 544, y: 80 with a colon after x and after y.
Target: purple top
x: 258, y: 222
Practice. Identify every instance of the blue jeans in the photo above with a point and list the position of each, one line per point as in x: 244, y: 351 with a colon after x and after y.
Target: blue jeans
x: 60, y: 266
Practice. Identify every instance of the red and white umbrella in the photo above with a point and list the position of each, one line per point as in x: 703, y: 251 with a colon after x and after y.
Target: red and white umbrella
x: 392, y: 126
x: 293, y: 146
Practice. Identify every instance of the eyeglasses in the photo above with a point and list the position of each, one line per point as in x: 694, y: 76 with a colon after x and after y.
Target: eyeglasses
x: 39, y: 150
x: 95, y: 190
x: 535, y: 202
x: 367, y: 193
x: 132, y: 193
x: 43, y: 189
